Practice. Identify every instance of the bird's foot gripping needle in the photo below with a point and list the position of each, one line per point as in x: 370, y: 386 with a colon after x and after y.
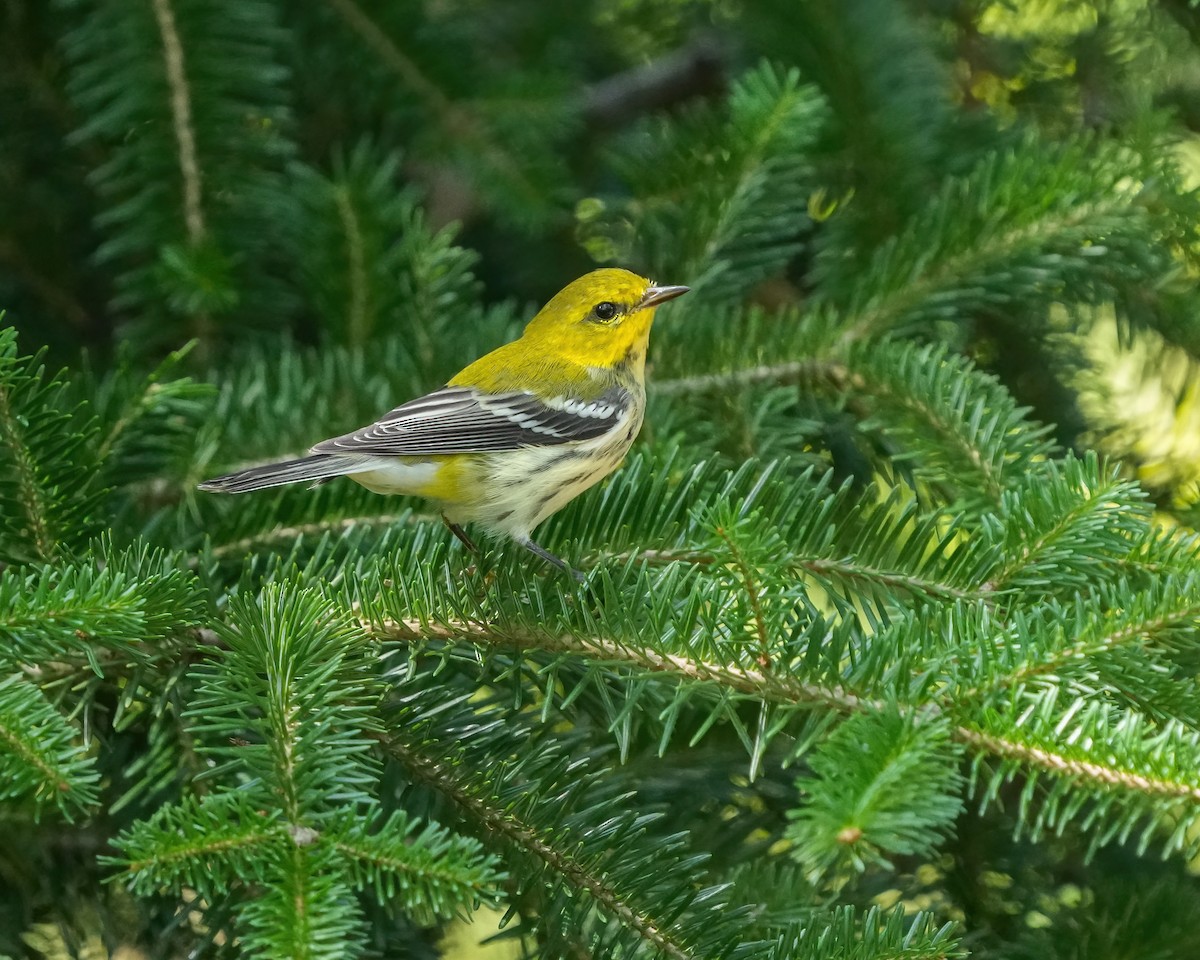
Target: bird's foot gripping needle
x: 546, y: 555
x: 462, y: 535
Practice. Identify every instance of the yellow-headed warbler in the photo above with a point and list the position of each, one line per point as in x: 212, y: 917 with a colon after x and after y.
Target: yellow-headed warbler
x: 519, y: 433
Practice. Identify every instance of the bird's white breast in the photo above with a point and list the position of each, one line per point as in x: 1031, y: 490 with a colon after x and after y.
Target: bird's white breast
x: 521, y: 488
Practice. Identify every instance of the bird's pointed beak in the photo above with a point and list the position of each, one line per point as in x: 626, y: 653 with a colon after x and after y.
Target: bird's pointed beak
x: 656, y: 295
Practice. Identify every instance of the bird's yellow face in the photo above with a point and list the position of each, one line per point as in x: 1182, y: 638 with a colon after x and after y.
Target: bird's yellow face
x: 602, y: 319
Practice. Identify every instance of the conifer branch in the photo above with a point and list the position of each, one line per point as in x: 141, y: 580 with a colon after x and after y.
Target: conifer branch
x: 1129, y: 629
x: 1083, y: 770
x: 31, y: 495
x: 197, y: 847
x: 746, y: 178
x: 876, y: 316
x: 18, y: 743
x: 129, y: 603
x: 39, y: 755
x: 1095, y: 501
x: 134, y: 407
x: 316, y: 528
x: 357, y: 323
x: 185, y: 139
x: 161, y: 392
x: 74, y: 667
x: 777, y: 688
x: 181, y: 117
x: 792, y: 371
x: 188, y: 101
x: 459, y: 122
x: 851, y: 570
x: 879, y: 316
x: 721, y: 195
x: 750, y: 587
x: 740, y: 678
x: 847, y: 569
x: 370, y: 854
x: 947, y: 428
x: 843, y: 377
x: 524, y: 836
x: 390, y: 54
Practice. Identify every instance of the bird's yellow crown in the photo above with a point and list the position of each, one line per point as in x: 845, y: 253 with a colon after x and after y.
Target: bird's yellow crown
x: 599, y: 322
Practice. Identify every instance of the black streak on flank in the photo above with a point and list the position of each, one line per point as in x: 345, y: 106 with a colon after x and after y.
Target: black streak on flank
x: 562, y: 458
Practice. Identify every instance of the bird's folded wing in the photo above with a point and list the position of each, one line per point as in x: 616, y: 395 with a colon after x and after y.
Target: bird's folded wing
x: 464, y: 420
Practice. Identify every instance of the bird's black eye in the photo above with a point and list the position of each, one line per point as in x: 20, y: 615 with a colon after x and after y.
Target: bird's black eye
x: 605, y: 311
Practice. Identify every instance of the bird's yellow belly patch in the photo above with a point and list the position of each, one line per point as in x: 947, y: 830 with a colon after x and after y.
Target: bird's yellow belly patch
x: 434, y: 478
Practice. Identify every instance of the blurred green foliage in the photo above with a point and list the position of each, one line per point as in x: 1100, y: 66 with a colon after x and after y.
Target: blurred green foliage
x: 880, y: 660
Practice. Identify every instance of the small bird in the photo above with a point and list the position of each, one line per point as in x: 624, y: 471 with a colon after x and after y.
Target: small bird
x: 519, y: 433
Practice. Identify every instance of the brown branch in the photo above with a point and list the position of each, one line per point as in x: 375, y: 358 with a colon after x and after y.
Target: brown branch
x: 49, y: 289
x: 697, y: 70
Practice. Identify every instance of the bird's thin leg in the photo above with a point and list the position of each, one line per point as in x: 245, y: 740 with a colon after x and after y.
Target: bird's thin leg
x: 548, y: 556
x: 461, y: 534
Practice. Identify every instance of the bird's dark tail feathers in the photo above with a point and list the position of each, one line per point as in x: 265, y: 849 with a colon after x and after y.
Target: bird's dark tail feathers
x: 318, y: 468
